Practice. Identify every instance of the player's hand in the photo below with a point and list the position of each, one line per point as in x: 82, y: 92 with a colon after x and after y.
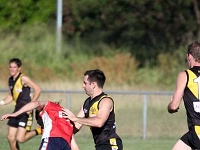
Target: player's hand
x: 29, y: 112
x: 68, y: 115
x: 6, y: 116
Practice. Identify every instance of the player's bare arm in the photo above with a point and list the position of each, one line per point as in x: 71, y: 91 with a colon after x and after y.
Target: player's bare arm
x: 178, y: 94
x: 105, y: 106
x: 69, y: 115
x: 74, y: 145
x: 26, y: 81
x: 78, y: 126
x: 7, y: 100
x: 28, y: 107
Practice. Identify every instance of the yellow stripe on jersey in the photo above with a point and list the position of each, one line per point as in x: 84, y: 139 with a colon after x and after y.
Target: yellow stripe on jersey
x: 197, y: 129
x: 193, y: 86
x: 17, y: 89
x: 113, y: 141
x: 94, y: 108
x: 29, y: 122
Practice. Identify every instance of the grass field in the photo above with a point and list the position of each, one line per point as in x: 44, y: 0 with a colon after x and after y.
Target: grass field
x: 163, y: 129
x: 87, y: 144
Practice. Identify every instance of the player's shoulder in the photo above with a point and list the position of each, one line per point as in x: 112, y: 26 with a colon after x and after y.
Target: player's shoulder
x: 106, y: 99
x: 25, y: 77
x: 106, y: 96
x: 182, y: 73
x: 182, y: 77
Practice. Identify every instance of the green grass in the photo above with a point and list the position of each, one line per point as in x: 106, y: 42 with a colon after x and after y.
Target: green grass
x: 87, y: 144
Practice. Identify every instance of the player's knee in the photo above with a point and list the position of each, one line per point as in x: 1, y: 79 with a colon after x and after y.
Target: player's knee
x: 20, y: 139
x: 10, y: 138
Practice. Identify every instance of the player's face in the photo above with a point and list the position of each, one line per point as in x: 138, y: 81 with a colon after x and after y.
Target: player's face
x: 87, y: 86
x: 14, y: 69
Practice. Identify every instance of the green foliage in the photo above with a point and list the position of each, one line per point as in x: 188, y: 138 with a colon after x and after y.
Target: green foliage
x: 145, y: 27
x: 119, y: 68
x: 15, y: 14
x: 41, y: 61
x: 170, y: 64
x: 37, y: 51
x: 147, y: 76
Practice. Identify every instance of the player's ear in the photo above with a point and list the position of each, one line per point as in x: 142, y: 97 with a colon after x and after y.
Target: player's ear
x: 190, y: 57
x: 94, y: 84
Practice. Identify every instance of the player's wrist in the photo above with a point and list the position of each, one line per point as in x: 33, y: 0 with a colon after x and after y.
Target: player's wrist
x: 2, y: 103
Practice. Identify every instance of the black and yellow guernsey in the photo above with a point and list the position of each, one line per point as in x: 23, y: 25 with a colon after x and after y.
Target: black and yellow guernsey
x: 191, y: 96
x: 20, y: 93
x: 108, y: 130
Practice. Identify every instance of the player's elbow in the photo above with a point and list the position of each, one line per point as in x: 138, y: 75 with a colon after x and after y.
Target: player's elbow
x: 21, y: 139
x: 99, y: 124
x: 36, y: 103
x: 39, y: 90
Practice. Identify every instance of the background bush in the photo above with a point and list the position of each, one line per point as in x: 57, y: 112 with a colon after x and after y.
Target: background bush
x: 36, y: 47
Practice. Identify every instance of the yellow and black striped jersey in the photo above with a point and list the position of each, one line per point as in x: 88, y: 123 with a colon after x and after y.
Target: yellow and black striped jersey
x: 191, y: 96
x: 20, y: 93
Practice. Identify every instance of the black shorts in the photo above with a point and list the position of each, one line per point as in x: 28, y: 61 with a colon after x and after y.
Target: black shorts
x: 191, y: 139
x: 54, y: 143
x: 24, y: 120
x: 113, y: 144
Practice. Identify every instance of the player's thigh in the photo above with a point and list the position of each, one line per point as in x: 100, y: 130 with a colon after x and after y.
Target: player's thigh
x: 12, y: 132
x: 180, y: 145
x: 21, y: 132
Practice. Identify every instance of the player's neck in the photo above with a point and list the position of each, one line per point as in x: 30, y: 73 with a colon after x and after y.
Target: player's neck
x: 96, y: 93
x: 16, y: 75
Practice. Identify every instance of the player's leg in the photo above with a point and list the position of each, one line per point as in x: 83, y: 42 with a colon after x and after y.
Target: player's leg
x: 11, y: 136
x: 74, y: 145
x: 180, y: 145
x: 23, y: 136
x: 189, y: 140
x: 24, y: 128
x: 17, y: 145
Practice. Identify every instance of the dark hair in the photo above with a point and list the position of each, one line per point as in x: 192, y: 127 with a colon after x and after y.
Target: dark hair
x: 97, y: 76
x: 194, y: 50
x: 17, y: 61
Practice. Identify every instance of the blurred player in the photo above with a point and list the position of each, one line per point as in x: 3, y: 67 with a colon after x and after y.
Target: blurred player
x: 20, y: 85
x: 187, y: 88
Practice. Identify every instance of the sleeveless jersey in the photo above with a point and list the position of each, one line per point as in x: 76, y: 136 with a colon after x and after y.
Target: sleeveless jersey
x: 54, y: 124
x: 20, y: 93
x: 108, y: 130
x: 191, y: 96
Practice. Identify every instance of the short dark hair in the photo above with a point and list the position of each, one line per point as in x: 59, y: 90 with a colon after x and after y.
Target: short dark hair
x: 97, y: 76
x: 194, y: 50
x: 17, y: 61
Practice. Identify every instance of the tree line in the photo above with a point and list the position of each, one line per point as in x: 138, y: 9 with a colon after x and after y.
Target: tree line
x: 145, y: 28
